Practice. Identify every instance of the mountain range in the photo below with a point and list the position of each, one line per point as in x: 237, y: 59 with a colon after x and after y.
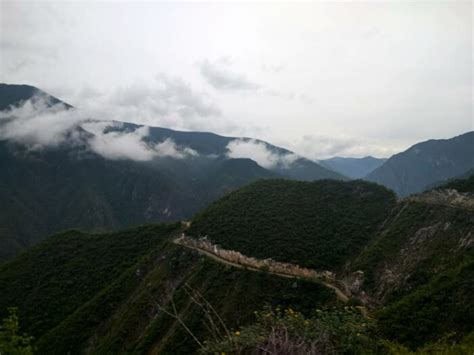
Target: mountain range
x: 88, y: 179
x: 61, y: 170
x: 405, y: 270
x: 122, y: 238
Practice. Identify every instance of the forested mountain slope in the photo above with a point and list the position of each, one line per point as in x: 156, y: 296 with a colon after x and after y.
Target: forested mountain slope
x: 101, y: 293
x: 420, y: 266
x: 56, y: 189
x: 314, y: 224
x: 426, y: 163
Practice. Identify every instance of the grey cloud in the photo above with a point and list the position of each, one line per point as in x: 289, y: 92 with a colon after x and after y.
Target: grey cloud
x: 219, y: 75
x: 168, y: 96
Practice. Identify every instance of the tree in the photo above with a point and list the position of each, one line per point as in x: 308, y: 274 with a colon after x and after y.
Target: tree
x: 11, y: 342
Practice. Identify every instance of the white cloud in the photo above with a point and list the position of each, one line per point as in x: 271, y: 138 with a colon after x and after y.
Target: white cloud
x: 168, y: 148
x: 116, y: 145
x: 260, y: 153
x: 37, y: 125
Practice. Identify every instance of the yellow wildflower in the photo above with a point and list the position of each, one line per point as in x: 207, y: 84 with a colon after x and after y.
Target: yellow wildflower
x: 237, y: 333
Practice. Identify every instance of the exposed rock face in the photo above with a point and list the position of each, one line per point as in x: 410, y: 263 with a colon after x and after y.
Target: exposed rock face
x: 423, y: 234
x: 353, y: 284
x: 449, y: 197
x: 467, y: 241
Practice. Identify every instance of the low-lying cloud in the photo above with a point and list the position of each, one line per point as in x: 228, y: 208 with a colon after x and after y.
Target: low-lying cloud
x: 114, y: 144
x: 37, y: 125
x: 260, y: 153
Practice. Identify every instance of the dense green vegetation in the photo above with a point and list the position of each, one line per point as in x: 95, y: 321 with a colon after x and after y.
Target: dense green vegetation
x: 324, y: 331
x: 132, y: 290
x: 236, y: 295
x: 11, y: 340
x: 423, y: 235
x: 442, y: 306
x: 318, y: 224
x: 420, y: 267
x: 52, y: 280
x: 36, y: 190
x: 99, y: 292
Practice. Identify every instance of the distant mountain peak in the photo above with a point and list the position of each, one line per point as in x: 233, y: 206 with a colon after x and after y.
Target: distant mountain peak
x: 12, y: 95
x: 426, y: 163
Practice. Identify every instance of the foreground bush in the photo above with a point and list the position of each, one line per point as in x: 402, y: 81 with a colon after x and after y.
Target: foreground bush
x: 277, y: 331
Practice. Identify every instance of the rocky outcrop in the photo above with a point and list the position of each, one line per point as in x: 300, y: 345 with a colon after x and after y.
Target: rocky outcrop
x: 447, y: 197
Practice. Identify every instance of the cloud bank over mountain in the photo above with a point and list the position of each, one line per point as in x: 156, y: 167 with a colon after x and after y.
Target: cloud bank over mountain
x: 38, y: 126
x: 259, y: 152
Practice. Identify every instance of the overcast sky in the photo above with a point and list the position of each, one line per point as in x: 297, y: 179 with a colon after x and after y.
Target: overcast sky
x: 321, y: 79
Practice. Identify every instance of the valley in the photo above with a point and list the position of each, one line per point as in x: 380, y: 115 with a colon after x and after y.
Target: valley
x: 127, y: 282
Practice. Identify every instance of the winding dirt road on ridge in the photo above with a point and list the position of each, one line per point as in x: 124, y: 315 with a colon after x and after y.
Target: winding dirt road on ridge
x: 340, y: 295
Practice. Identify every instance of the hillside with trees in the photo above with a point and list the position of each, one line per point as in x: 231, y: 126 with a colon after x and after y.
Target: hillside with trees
x: 314, y: 224
x: 106, y: 293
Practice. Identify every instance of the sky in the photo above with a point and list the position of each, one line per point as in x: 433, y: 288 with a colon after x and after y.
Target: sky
x: 321, y: 79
